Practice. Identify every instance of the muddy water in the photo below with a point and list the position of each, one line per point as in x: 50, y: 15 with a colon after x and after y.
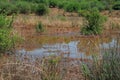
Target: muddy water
x: 69, y: 45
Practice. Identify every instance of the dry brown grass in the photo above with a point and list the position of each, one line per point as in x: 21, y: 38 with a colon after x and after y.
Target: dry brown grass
x: 25, y: 24
x: 47, y: 68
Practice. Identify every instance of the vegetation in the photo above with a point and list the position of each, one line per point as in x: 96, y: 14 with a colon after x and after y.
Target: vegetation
x: 39, y: 27
x: 47, y: 68
x: 23, y: 7
x: 105, y: 69
x: 93, y: 23
x: 7, y: 39
x: 41, y: 9
x: 55, y: 67
x: 72, y: 7
x: 28, y: 6
x: 60, y: 66
x: 53, y: 3
x: 116, y: 5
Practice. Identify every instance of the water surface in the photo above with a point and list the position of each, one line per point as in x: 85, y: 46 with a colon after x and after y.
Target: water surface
x: 73, y: 46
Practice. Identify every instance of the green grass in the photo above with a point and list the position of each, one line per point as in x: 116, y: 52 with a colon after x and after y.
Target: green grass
x: 107, y: 68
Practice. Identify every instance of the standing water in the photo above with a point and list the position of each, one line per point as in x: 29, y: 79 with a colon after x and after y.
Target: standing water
x: 74, y: 46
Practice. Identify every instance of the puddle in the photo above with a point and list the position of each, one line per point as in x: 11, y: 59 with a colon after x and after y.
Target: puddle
x: 69, y: 46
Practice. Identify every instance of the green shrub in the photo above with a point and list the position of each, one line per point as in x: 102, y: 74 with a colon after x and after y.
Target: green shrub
x: 88, y: 5
x: 13, y: 10
x: 7, y: 8
x: 41, y: 9
x: 72, y: 7
x: 97, y: 4
x: 94, y: 23
x: 33, y: 7
x: 3, y: 7
x: 84, y: 5
x: 6, y: 38
x: 5, y: 41
x: 23, y: 7
x: 36, y: 1
x: 53, y: 3
x: 108, y: 4
x: 4, y: 22
x: 116, y: 6
x: 61, y: 4
x: 83, y: 12
x: 39, y: 27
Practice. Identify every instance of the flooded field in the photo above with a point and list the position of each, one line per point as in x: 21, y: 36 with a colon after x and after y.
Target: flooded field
x: 72, y: 45
x: 63, y: 37
x: 59, y: 50
x: 59, y: 40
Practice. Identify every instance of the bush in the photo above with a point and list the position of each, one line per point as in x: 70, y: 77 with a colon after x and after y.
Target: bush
x: 72, y: 7
x: 53, y: 3
x: 88, y: 5
x: 33, y: 7
x: 7, y: 8
x: 84, y: 5
x: 97, y: 4
x: 4, y: 22
x: 108, y: 4
x: 116, y: 6
x: 37, y: 1
x: 23, y: 7
x: 61, y: 4
x: 94, y: 23
x: 83, y: 12
x: 6, y: 39
x: 41, y: 9
x: 39, y: 27
x: 13, y: 10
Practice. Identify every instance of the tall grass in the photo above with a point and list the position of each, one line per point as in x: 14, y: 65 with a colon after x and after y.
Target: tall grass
x: 31, y: 68
x: 107, y: 68
x: 57, y: 67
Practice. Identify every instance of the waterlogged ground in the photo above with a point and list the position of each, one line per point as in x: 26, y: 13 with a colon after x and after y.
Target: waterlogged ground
x: 72, y: 48
x: 72, y: 45
x: 61, y: 37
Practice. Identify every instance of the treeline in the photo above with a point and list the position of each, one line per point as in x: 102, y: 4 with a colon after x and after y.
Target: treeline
x: 40, y: 7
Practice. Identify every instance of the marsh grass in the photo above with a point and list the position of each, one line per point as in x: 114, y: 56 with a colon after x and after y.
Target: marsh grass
x: 57, y: 67
x: 107, y: 68
x: 39, y: 27
x: 24, y: 67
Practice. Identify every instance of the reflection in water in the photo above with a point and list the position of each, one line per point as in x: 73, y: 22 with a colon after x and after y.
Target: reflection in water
x: 72, y: 46
x: 109, y: 45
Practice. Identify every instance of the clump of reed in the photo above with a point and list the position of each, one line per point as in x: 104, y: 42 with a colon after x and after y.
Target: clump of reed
x: 107, y: 68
